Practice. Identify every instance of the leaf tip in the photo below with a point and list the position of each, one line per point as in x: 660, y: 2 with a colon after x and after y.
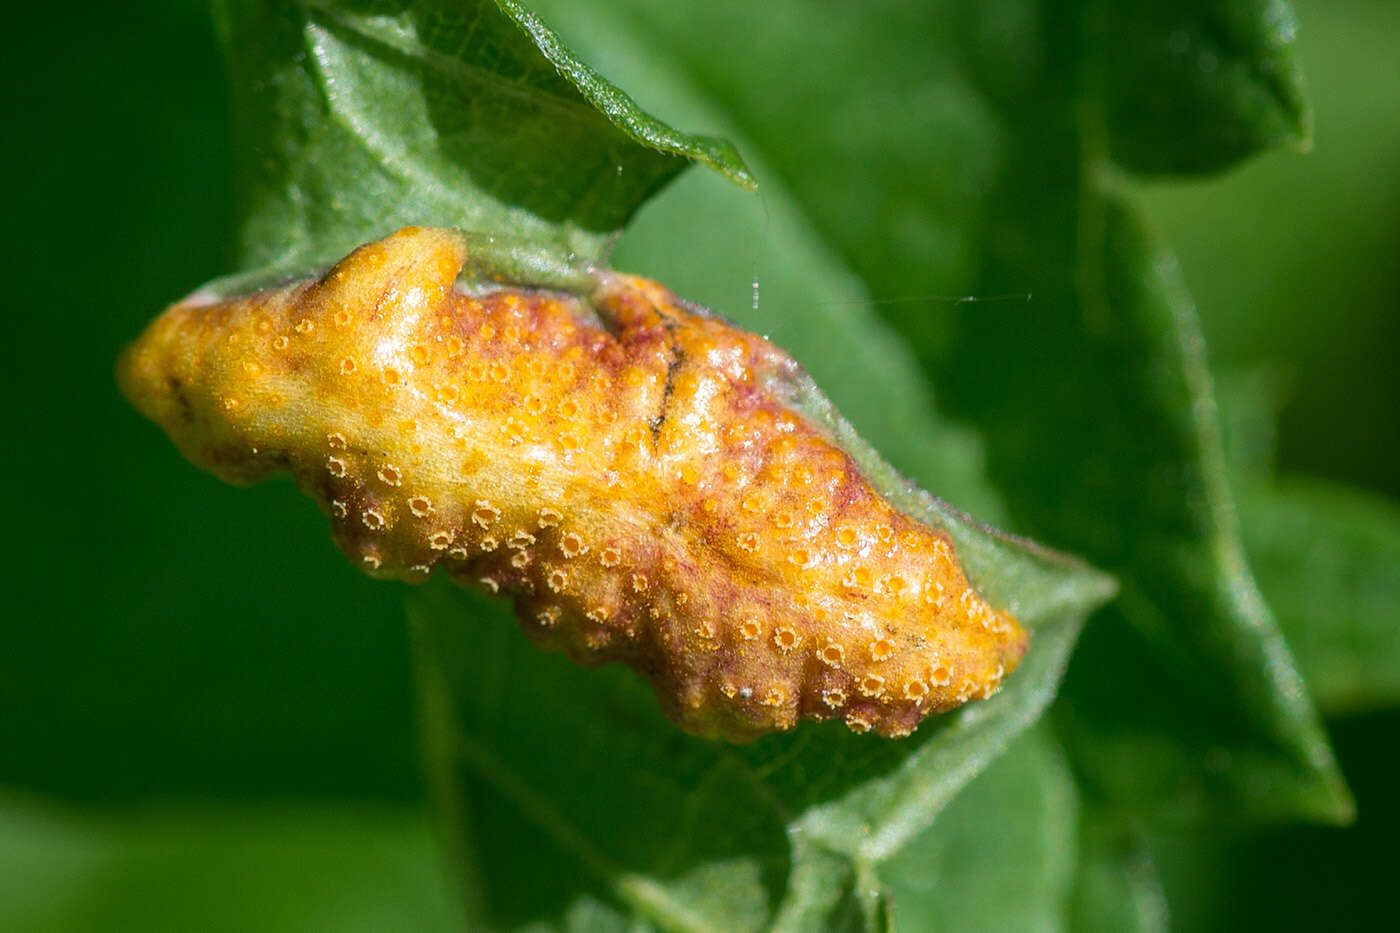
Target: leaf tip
x: 621, y: 110
x: 727, y: 161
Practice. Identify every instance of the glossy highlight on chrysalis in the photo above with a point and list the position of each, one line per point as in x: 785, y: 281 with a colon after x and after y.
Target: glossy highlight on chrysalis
x: 617, y: 463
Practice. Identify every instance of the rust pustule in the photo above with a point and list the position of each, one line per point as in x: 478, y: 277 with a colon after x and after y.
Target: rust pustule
x: 614, y: 463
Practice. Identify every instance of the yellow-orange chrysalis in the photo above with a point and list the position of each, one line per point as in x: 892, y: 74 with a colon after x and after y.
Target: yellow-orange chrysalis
x: 615, y: 463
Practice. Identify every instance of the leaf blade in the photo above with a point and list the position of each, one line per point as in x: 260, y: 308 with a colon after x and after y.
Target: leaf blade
x: 1327, y: 556
x: 365, y: 117
x: 1002, y: 856
x: 1196, y: 87
x: 265, y: 867
x: 623, y: 111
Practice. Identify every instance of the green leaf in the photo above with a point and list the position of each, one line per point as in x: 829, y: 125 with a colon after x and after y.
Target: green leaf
x: 1001, y: 856
x: 269, y: 868
x: 1194, y: 86
x: 1116, y: 889
x: 589, y: 786
x: 1249, y: 402
x: 357, y: 118
x: 1187, y: 698
x: 1329, y: 559
x: 1325, y: 555
x: 977, y: 162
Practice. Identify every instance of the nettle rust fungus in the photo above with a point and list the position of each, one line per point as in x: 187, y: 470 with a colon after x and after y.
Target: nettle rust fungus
x: 616, y: 464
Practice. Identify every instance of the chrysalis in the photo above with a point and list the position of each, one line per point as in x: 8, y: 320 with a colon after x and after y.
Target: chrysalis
x: 618, y: 464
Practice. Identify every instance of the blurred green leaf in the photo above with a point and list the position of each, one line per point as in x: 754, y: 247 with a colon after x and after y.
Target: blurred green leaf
x: 1291, y: 257
x: 1194, y: 705
x: 1329, y: 559
x: 1001, y: 856
x: 270, y: 868
x: 1192, y: 86
x: 361, y: 116
x: 1116, y: 888
x: 1249, y: 403
x: 1296, y: 878
x: 1327, y: 556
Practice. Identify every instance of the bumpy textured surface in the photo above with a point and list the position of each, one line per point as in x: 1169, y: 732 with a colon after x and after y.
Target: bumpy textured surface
x: 618, y: 466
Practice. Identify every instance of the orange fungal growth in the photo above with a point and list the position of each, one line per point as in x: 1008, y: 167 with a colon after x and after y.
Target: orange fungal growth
x: 616, y: 463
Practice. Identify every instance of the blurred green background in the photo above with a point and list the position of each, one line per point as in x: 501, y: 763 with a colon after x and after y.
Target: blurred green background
x: 202, y: 703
